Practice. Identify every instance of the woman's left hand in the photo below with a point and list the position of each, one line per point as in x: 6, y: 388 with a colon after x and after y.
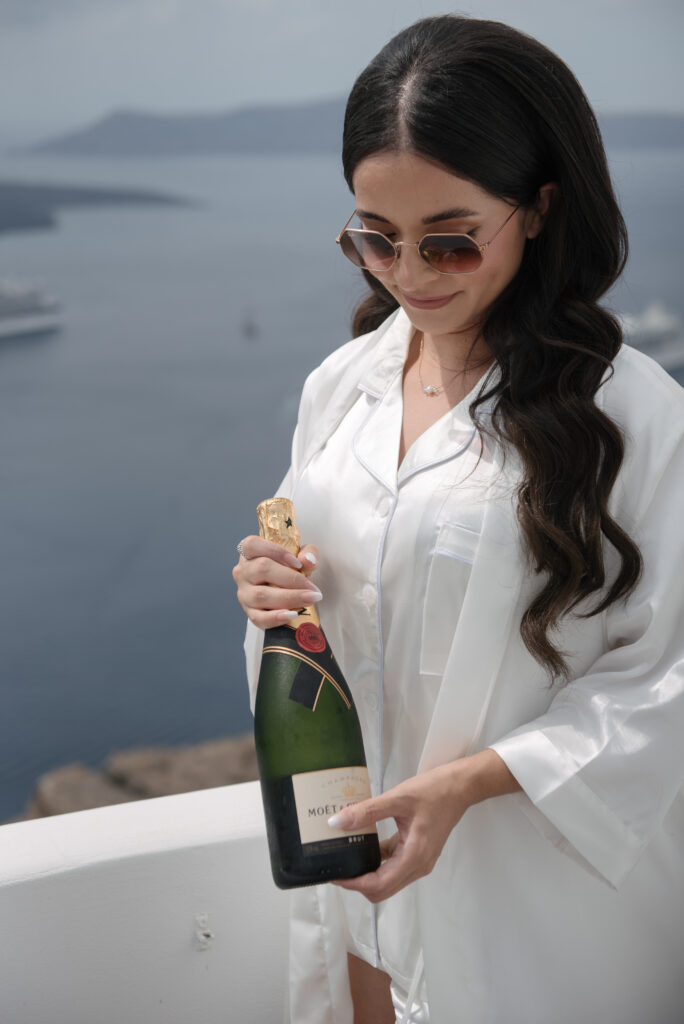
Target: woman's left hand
x: 426, y: 808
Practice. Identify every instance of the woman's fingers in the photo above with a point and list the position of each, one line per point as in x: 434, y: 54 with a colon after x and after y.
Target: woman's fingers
x: 425, y: 809
x: 308, y: 556
x: 256, y: 547
x: 268, y: 620
x: 390, y: 804
x: 275, y: 598
x: 263, y: 571
x: 395, y: 873
x: 261, y: 600
x: 272, y: 578
x: 271, y: 589
x: 388, y: 846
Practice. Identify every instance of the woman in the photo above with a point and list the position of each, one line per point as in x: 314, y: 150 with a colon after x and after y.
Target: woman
x: 488, y: 481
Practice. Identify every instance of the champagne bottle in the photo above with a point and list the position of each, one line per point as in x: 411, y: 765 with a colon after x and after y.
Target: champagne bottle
x: 308, y: 741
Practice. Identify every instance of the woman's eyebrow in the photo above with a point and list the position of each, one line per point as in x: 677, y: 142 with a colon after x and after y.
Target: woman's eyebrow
x: 456, y: 213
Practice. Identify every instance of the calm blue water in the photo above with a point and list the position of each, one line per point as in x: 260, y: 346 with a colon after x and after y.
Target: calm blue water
x: 135, y: 445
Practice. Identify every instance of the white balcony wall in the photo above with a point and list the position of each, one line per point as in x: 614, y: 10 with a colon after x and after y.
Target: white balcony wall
x: 102, y: 915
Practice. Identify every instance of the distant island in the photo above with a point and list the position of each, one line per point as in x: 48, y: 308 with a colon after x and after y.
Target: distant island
x: 296, y: 128
x: 301, y: 128
x: 24, y: 207
x: 292, y: 128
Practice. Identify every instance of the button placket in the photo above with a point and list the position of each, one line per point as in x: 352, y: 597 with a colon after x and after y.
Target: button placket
x: 371, y: 699
x: 377, y: 596
x: 383, y: 507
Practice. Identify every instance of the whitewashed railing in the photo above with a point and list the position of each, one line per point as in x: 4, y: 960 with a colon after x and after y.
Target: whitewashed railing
x: 155, y: 911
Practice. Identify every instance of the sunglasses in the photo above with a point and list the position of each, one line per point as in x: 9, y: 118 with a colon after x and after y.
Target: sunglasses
x: 447, y: 254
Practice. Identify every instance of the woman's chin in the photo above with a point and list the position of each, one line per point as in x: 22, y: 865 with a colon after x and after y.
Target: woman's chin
x: 430, y: 322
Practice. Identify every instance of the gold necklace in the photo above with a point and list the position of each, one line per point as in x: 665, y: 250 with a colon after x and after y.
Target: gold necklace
x: 431, y: 390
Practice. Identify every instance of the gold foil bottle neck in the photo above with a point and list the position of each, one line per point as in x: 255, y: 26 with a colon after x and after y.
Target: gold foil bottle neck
x: 277, y: 523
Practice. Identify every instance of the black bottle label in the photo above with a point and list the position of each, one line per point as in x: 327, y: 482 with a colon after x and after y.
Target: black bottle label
x: 316, y: 668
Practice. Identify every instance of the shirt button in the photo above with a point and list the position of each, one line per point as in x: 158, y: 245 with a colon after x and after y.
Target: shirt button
x: 368, y: 595
x: 384, y: 506
x: 371, y: 700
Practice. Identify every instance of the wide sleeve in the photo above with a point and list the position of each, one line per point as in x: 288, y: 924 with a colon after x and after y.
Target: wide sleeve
x: 605, y: 762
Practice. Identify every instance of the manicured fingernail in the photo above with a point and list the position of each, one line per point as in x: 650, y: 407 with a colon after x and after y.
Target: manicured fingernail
x: 313, y: 595
x: 335, y: 821
x: 311, y: 558
x: 287, y: 616
x: 294, y: 562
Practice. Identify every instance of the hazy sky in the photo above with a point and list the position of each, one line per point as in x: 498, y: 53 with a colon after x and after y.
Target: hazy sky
x: 66, y: 62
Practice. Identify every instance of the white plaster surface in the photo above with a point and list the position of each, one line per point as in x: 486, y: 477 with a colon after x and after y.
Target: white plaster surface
x: 103, y: 914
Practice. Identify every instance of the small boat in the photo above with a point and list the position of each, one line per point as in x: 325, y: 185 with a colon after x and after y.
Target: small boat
x: 26, y: 309
x: 249, y: 328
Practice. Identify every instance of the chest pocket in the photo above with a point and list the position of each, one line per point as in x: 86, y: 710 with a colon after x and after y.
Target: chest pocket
x: 447, y: 582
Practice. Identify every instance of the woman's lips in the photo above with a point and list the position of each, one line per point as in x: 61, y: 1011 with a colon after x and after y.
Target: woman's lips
x: 430, y: 303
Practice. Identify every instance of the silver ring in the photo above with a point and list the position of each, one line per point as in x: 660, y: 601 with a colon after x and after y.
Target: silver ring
x: 240, y: 551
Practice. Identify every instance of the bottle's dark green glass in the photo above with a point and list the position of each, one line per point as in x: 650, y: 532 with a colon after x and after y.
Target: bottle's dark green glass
x: 309, y: 744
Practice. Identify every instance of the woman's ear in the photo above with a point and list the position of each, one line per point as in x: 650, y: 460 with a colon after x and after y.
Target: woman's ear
x: 536, y: 214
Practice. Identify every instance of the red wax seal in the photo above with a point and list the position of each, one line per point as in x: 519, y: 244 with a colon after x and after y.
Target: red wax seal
x: 310, y: 638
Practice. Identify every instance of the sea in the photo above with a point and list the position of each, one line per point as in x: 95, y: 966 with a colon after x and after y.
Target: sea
x: 136, y: 442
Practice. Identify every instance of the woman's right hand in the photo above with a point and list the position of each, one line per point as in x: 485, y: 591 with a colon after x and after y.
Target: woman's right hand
x: 272, y: 584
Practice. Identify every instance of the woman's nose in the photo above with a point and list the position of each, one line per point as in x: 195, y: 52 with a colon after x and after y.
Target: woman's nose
x: 410, y: 266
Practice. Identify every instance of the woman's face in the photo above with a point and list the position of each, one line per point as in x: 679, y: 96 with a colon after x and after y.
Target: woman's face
x: 404, y: 196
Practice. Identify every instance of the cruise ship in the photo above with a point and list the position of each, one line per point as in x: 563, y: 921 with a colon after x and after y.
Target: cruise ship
x: 25, y: 309
x: 657, y: 332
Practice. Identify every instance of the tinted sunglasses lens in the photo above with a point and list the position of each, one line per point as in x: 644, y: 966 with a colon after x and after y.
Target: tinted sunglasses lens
x: 367, y: 249
x: 451, y: 254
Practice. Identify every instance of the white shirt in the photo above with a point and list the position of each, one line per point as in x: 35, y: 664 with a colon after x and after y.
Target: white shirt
x: 420, y: 526
x: 564, y: 902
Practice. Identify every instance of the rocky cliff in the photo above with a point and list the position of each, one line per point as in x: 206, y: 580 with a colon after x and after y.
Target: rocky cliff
x: 142, y: 773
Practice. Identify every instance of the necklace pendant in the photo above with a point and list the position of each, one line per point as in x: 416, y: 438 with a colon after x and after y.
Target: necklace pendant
x: 430, y: 389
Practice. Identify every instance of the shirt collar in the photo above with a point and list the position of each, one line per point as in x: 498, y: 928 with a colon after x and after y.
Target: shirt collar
x: 389, y: 356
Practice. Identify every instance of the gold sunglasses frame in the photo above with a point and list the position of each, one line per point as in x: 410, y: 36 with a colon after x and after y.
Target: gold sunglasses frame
x: 397, y: 251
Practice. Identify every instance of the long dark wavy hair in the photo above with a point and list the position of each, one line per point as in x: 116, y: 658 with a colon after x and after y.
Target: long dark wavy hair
x: 494, y: 106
